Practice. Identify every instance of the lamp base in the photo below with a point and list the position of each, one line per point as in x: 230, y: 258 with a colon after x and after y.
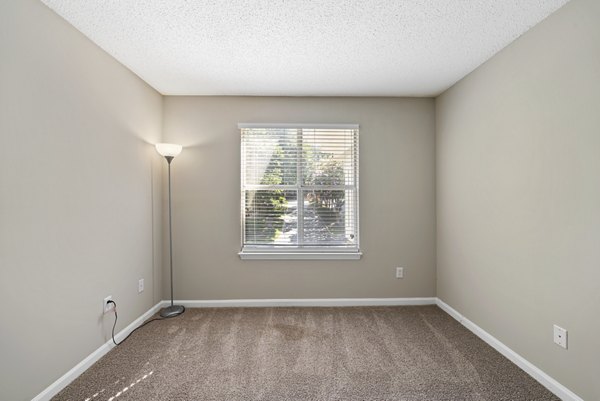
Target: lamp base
x: 172, y: 311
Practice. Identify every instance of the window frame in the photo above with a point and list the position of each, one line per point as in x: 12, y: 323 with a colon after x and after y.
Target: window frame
x: 290, y: 252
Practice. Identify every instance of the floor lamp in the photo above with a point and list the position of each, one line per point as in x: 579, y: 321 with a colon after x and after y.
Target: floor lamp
x: 169, y: 151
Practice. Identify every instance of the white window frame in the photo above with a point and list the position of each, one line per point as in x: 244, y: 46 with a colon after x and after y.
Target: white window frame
x: 254, y: 252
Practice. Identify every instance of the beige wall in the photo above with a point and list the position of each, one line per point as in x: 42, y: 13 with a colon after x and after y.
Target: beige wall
x: 80, y: 213
x: 518, y: 195
x: 77, y: 177
x: 397, y: 211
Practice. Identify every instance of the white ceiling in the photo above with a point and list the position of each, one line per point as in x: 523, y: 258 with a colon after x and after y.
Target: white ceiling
x: 303, y: 47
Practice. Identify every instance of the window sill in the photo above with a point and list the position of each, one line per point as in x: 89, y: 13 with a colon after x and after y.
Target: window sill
x: 291, y: 255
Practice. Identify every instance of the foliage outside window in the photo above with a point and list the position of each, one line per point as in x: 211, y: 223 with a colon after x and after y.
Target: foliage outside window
x: 299, y: 189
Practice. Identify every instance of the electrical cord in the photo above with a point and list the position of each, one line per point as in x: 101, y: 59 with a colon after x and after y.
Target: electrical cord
x: 134, y: 330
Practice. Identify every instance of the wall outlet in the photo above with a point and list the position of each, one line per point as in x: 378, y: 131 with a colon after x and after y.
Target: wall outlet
x: 106, y: 306
x: 140, y: 286
x: 399, y: 272
x: 560, y: 336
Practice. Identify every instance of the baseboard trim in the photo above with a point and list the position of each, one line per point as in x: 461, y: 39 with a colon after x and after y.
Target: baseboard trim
x: 544, y: 379
x: 554, y: 386
x: 82, y: 366
x: 316, y: 302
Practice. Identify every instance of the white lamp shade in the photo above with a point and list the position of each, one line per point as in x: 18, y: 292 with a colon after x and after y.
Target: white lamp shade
x: 168, y: 149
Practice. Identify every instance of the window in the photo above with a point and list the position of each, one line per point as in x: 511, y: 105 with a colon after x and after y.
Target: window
x: 299, y: 191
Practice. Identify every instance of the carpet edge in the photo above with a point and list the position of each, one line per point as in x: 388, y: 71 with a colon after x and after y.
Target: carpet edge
x: 92, y: 358
x: 539, y: 375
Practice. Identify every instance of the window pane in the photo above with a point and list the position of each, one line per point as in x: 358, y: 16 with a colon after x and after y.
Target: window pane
x: 328, y: 157
x: 271, y: 217
x: 329, y: 217
x: 270, y: 157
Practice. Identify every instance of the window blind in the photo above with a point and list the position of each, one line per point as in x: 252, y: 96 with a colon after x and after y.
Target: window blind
x: 299, y: 187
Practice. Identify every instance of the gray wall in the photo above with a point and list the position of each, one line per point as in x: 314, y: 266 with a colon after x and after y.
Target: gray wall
x: 397, y: 208
x: 518, y: 195
x: 77, y: 178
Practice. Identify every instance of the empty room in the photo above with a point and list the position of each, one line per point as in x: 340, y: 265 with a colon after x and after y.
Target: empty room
x: 300, y: 200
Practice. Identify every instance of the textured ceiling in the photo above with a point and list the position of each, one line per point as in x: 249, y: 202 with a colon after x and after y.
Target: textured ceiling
x: 303, y: 47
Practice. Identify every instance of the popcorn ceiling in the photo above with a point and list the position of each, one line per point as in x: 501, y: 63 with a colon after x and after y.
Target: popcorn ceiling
x: 293, y: 47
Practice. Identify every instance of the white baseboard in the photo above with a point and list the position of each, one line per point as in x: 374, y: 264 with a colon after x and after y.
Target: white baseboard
x: 555, y: 387
x: 82, y: 366
x: 248, y: 303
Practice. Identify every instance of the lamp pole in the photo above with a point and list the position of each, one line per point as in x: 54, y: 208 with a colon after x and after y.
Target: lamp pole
x: 169, y: 152
x: 169, y: 160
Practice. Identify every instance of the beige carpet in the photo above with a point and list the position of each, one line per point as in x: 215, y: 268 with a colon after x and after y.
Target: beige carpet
x: 369, y: 353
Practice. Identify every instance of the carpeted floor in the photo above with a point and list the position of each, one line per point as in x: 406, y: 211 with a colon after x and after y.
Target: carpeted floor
x: 369, y: 353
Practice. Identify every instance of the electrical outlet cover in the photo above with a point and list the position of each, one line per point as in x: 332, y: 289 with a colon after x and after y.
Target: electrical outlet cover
x: 106, y: 306
x: 560, y: 336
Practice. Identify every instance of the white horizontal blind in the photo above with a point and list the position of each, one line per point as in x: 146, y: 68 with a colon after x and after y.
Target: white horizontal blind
x: 299, y: 187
